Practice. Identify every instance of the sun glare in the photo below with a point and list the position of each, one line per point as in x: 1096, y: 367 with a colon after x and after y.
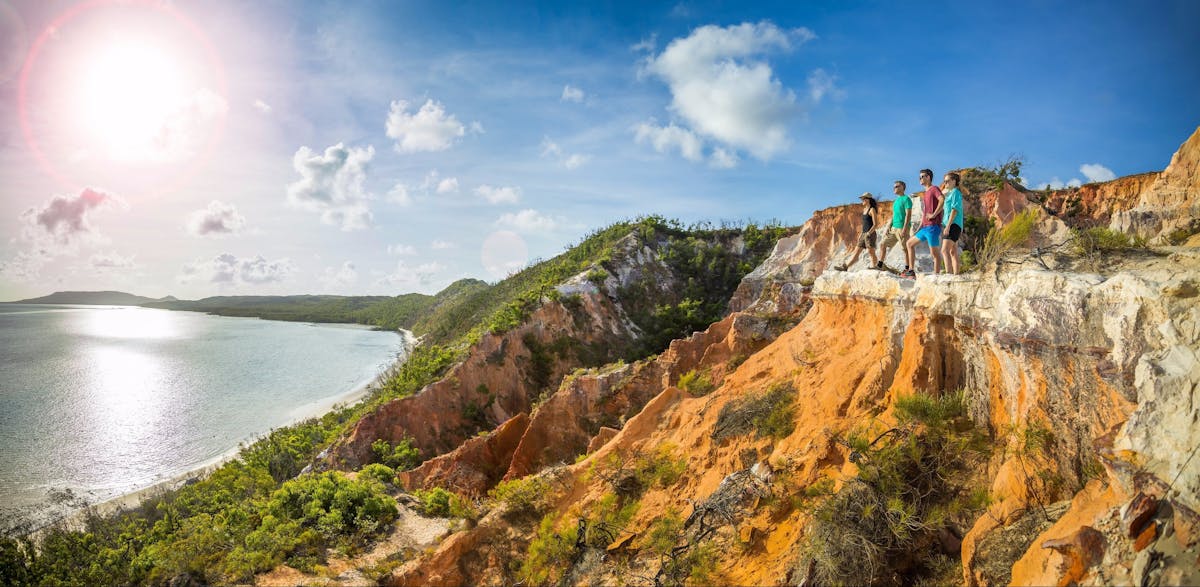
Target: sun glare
x: 128, y: 96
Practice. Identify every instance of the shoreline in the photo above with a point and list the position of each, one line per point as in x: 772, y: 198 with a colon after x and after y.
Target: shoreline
x: 77, y: 519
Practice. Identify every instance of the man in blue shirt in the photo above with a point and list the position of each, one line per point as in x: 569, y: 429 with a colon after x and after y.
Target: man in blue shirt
x: 952, y: 220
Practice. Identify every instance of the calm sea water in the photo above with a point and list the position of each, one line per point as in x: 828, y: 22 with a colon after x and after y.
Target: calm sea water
x: 99, y: 401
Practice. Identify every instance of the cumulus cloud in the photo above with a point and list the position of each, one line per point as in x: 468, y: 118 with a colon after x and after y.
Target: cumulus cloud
x: 401, y: 250
x: 65, y: 221
x: 440, y: 245
x: 569, y: 160
x: 499, y: 195
x: 217, y: 219
x: 527, y: 220
x: 1096, y: 172
x: 337, y: 277
x: 406, y: 276
x: 668, y: 138
x: 448, y: 185
x: 332, y: 183
x: 427, y: 129
x: 723, y: 90
x: 722, y: 159
x: 228, y: 269
x: 571, y: 94
x: 262, y: 106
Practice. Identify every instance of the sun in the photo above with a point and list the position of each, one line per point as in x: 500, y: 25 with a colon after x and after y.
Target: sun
x: 129, y: 95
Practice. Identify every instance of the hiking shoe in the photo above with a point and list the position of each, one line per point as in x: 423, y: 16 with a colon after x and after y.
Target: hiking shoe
x: 879, y: 265
x: 909, y: 273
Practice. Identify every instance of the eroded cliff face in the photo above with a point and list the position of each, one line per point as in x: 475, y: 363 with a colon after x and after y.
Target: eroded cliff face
x: 1086, y: 385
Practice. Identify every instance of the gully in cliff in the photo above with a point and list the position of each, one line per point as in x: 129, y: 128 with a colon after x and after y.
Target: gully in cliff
x: 866, y: 240
x: 931, y: 224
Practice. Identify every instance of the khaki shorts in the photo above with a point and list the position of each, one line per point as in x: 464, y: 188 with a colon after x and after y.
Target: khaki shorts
x: 892, y: 237
x: 866, y: 240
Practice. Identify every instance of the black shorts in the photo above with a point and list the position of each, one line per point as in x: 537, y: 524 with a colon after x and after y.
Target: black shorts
x: 955, y: 232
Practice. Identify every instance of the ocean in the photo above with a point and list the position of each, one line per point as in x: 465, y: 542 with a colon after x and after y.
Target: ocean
x: 101, y: 401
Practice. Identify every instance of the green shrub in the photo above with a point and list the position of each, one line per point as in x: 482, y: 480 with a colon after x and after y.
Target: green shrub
x: 333, y: 505
x: 379, y: 472
x: 697, y: 384
x: 523, y: 496
x: 659, y: 467
x: 435, y: 502
x: 401, y: 457
x: 913, y: 481
x: 664, y: 533
x: 768, y: 414
x: 549, y: 552
x: 999, y: 242
x: 1097, y: 242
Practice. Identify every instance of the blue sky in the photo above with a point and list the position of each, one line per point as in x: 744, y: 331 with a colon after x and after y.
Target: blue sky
x: 388, y: 147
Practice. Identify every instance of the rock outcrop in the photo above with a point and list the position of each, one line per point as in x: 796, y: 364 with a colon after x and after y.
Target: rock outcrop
x: 1087, y: 385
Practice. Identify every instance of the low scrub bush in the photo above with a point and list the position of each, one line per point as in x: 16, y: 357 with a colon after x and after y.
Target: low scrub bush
x: 999, y: 242
x: 914, y: 480
x: 381, y: 473
x: 400, y: 457
x: 524, y: 496
x: 768, y: 414
x: 696, y: 383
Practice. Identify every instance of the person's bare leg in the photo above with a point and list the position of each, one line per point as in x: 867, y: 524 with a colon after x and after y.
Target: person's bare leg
x: 874, y: 257
x: 937, y: 259
x: 854, y: 259
x: 910, y: 251
x: 950, y: 255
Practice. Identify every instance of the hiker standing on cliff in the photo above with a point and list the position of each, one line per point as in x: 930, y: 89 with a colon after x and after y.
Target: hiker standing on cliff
x: 931, y: 225
x: 866, y: 240
x: 952, y: 220
x: 897, y: 233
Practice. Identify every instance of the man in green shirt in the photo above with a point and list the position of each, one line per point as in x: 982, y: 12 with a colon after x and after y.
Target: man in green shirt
x: 897, y: 231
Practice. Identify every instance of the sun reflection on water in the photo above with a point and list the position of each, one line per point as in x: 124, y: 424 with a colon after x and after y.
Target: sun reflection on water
x: 130, y: 323
x: 125, y: 401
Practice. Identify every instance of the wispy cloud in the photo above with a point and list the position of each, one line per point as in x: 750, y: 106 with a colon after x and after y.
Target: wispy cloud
x: 572, y: 94
x: 227, y: 269
x: 528, y: 220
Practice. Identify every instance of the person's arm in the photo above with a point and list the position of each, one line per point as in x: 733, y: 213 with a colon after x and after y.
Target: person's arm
x: 907, y: 221
x: 950, y: 220
x: 937, y: 210
x: 875, y: 218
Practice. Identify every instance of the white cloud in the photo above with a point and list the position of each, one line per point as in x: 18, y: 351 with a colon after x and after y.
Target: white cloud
x: 439, y: 245
x: 332, y: 184
x: 568, y: 160
x: 722, y: 159
x: 227, y: 269
x: 723, y: 92
x: 428, y: 129
x: 338, y: 277
x: 575, y: 160
x: 64, y: 221
x: 399, y: 194
x: 571, y: 94
x: 406, y: 276
x: 110, y: 260
x: 646, y: 45
x: 218, y: 218
x: 24, y: 266
x: 527, y: 220
x: 400, y: 250
x: 477, y: 127
x: 671, y: 137
x: 822, y: 84
x: 1057, y: 184
x: 448, y: 185
x: 499, y: 195
x: 1095, y: 172
x: 262, y: 106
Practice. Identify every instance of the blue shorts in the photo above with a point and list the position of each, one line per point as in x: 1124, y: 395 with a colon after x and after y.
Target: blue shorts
x: 931, y: 235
